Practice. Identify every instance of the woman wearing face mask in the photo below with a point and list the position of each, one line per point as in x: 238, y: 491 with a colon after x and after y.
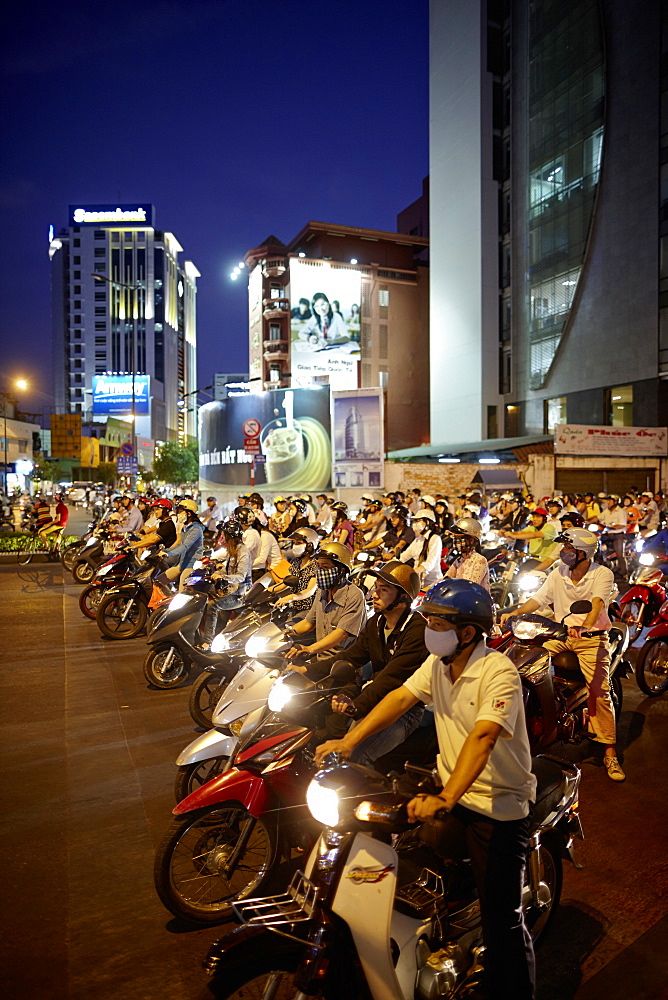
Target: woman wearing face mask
x: 469, y: 563
x: 342, y: 529
x: 235, y: 572
x: 303, y: 567
x: 424, y: 552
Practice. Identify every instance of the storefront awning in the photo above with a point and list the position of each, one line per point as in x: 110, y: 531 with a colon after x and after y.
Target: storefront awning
x: 434, y: 452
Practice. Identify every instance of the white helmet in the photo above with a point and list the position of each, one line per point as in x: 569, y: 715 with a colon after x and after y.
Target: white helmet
x: 581, y: 539
x: 424, y: 515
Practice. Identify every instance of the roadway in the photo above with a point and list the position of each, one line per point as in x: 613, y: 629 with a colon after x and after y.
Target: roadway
x: 87, y: 775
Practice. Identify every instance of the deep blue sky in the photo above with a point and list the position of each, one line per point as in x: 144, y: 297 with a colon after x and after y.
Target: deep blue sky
x: 237, y: 119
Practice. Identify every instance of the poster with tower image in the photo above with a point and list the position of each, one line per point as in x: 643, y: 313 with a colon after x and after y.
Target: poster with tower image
x: 358, y: 438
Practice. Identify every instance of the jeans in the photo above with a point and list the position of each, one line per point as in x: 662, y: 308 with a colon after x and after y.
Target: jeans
x: 387, y: 739
x: 498, y: 851
x: 209, y: 623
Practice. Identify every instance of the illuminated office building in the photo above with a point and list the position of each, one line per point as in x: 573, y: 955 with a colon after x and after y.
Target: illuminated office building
x: 548, y: 216
x: 141, y: 319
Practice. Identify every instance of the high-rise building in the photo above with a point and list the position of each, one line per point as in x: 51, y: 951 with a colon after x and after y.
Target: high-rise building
x: 548, y: 216
x: 346, y: 307
x: 124, y: 304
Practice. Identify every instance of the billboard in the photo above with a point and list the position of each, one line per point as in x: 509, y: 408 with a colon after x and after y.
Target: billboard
x: 324, y: 323
x: 112, y: 215
x: 583, y: 439
x: 112, y: 394
x: 66, y: 435
x: 279, y: 439
x: 358, y: 436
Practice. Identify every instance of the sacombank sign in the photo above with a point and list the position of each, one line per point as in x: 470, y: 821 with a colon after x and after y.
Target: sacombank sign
x: 113, y: 395
x: 120, y: 215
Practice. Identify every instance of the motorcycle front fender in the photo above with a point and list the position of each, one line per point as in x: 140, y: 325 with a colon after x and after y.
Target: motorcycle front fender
x: 637, y: 593
x: 659, y: 631
x: 233, y: 946
x: 235, y: 785
x: 210, y: 744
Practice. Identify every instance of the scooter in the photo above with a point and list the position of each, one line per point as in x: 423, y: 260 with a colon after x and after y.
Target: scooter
x: 122, y: 612
x: 641, y: 603
x: 229, y: 834
x: 368, y: 917
x: 554, y: 689
x: 652, y: 660
x: 120, y: 566
x: 95, y: 551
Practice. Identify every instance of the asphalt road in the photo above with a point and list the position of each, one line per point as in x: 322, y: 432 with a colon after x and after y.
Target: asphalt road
x: 87, y: 775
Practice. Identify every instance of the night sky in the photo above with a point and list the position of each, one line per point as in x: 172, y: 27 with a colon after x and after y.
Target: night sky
x: 235, y: 119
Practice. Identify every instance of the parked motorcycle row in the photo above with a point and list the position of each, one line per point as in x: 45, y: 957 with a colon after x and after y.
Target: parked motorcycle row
x: 331, y: 886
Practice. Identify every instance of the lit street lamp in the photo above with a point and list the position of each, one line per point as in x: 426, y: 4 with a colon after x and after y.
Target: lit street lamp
x: 20, y: 383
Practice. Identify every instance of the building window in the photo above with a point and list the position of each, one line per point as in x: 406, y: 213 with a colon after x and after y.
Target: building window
x: 100, y: 355
x: 100, y: 252
x: 492, y: 424
x: 100, y: 369
x: 128, y: 237
x: 100, y: 268
x: 100, y: 296
x: 100, y: 326
x: 77, y: 348
x: 77, y: 334
x: 383, y: 377
x: 77, y: 319
x: 620, y: 406
x: 77, y: 290
x: 141, y: 237
x: 100, y: 310
x: 384, y: 297
x: 78, y: 363
x: 77, y: 303
x: 77, y: 260
x: 100, y: 341
x: 76, y: 242
x: 98, y: 234
x: 115, y: 237
x: 275, y: 292
x: 274, y: 374
x: 555, y: 413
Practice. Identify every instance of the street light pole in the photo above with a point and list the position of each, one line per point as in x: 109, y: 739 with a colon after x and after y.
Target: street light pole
x: 20, y: 384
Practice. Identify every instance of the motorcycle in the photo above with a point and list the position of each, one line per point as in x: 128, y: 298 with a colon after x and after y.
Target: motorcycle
x: 506, y: 590
x: 358, y: 922
x: 230, y: 833
x: 117, y: 568
x: 122, y: 612
x: 554, y: 689
x: 641, y: 603
x: 94, y: 552
x: 652, y: 660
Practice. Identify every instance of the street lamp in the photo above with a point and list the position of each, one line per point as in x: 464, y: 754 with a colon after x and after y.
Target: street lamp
x: 20, y: 383
x: 134, y: 289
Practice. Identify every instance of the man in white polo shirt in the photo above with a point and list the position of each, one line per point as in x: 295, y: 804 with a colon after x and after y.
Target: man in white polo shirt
x: 484, y: 763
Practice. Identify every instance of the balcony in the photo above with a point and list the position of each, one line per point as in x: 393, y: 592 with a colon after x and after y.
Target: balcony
x: 283, y: 383
x: 275, y: 308
x: 274, y: 268
x: 275, y: 350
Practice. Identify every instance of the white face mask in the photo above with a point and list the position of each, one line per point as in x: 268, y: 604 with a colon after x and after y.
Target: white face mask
x: 441, y: 643
x: 298, y: 551
x: 418, y: 528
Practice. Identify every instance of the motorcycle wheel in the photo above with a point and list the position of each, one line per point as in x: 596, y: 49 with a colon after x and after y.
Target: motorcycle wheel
x: 551, y: 881
x: 83, y: 572
x: 188, y: 872
x: 89, y: 601
x: 260, y: 969
x: 632, y: 615
x: 109, y: 616
x: 190, y: 777
x: 204, y: 696
x: 163, y: 675
x: 70, y: 555
x: 652, y: 668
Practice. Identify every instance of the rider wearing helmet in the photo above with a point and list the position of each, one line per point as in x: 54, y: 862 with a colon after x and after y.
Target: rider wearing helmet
x: 540, y: 534
x: 189, y: 545
x: 211, y: 515
x: 469, y: 563
x: 487, y: 782
x: 251, y: 537
x: 163, y: 531
x: 342, y: 529
x: 279, y: 521
x: 298, y: 515
x: 614, y: 519
x: 338, y: 611
x: 424, y: 552
x: 393, y: 642
x: 303, y: 567
x: 132, y: 519
x: 398, y: 534
x: 579, y: 578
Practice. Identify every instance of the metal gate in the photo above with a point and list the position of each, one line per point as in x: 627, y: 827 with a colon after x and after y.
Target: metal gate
x: 618, y: 481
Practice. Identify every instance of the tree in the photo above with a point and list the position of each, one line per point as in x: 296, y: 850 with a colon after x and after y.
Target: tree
x: 106, y: 473
x: 177, y: 463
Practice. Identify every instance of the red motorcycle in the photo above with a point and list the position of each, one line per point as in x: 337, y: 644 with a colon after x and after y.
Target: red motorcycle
x: 641, y: 604
x: 652, y: 660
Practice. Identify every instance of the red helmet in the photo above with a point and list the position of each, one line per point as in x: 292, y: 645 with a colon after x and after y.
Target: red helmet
x: 160, y: 502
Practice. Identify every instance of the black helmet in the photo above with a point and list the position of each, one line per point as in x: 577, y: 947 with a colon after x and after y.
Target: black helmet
x: 244, y: 515
x: 459, y: 602
x: 300, y: 504
x: 339, y: 505
x: 398, y: 510
x: 232, y: 527
x: 577, y: 520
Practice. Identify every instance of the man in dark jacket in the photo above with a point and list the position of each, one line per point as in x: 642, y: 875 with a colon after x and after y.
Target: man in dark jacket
x: 393, y: 642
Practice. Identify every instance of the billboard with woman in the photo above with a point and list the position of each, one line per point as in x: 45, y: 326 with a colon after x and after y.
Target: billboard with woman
x: 324, y: 323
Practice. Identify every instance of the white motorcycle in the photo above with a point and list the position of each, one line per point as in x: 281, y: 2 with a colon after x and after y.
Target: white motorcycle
x: 359, y: 923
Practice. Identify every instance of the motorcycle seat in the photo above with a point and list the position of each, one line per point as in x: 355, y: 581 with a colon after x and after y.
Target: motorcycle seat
x: 567, y: 665
x: 549, y: 777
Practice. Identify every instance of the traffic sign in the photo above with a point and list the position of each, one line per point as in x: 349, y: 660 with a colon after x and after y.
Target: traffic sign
x: 127, y: 465
x: 127, y: 449
x: 251, y: 445
x: 251, y: 427
x: 260, y: 458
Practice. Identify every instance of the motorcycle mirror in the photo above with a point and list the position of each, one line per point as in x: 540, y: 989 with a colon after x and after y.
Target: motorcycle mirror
x: 291, y: 581
x: 580, y: 608
x: 343, y: 672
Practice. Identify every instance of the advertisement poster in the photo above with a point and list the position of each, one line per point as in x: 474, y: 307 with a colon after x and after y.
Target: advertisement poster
x: 324, y: 323
x: 279, y: 438
x: 112, y: 394
x: 358, y: 439
x: 583, y: 439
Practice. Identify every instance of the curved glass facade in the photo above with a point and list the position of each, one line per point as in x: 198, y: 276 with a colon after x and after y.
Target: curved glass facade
x: 566, y: 118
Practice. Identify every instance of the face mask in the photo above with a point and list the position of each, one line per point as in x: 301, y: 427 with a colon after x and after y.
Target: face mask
x: 326, y: 578
x: 297, y: 551
x: 418, y: 528
x: 569, y: 558
x: 442, y: 644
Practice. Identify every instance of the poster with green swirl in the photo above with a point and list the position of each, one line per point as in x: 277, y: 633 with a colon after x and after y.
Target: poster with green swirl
x: 283, y: 433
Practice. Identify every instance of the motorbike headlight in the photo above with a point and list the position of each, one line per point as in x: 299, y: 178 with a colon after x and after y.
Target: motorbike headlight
x: 198, y: 564
x: 178, y: 601
x: 91, y: 541
x: 220, y: 643
x: 144, y: 556
x: 530, y: 581
x: 362, y: 557
x: 323, y: 803
x: 103, y: 570
x: 491, y: 536
x: 279, y: 696
x: 527, y: 630
x: 255, y: 646
x: 646, y: 559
